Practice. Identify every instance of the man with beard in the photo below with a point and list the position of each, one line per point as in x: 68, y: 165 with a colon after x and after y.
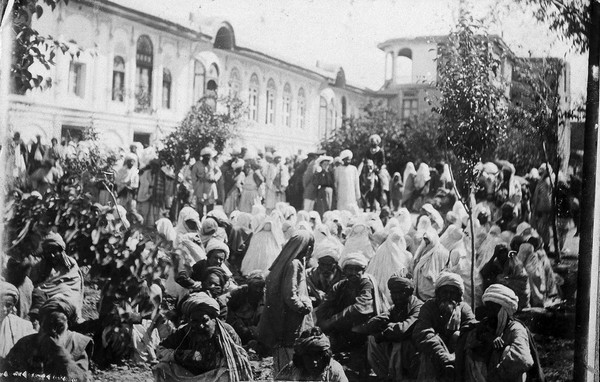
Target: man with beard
x: 326, y: 274
x: 440, y: 322
x: 392, y: 353
x: 349, y: 304
x: 206, y: 348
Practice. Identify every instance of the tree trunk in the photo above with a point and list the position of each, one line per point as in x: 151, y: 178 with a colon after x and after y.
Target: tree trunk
x: 585, y: 361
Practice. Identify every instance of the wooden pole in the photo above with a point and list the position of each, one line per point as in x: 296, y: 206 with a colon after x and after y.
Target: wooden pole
x: 586, y: 322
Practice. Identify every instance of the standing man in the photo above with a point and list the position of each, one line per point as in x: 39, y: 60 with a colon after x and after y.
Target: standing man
x: 205, y: 175
x: 36, y: 154
x: 346, y: 184
x: 309, y: 189
x: 541, y: 205
x: 277, y: 179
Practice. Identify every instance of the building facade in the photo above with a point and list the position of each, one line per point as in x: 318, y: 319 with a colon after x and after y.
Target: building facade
x: 137, y: 75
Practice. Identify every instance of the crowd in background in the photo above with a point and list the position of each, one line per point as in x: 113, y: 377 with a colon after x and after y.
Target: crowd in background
x: 323, y: 265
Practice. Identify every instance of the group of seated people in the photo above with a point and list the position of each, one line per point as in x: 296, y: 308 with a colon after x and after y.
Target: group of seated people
x: 390, y: 296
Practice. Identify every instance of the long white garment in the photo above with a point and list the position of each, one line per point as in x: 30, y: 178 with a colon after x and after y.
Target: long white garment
x: 277, y: 178
x: 358, y: 241
x: 265, y: 246
x: 391, y: 257
x: 430, y: 259
x: 347, y: 188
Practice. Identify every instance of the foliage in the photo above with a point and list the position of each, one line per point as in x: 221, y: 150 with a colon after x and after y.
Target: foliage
x: 202, y: 126
x: 422, y: 140
x: 88, y: 157
x: 30, y: 47
x: 472, y: 104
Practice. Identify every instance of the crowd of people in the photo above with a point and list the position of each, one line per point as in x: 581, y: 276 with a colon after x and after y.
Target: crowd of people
x: 324, y: 266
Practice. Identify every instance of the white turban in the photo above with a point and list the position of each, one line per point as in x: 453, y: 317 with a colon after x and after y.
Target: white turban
x: 354, y: 258
x: 346, y: 154
x: 450, y: 279
x: 327, y: 247
x: 508, y: 301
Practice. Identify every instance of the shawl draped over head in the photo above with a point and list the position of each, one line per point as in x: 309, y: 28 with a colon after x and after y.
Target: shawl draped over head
x: 358, y: 240
x: 60, y: 305
x: 165, y: 228
x: 430, y: 258
x: 445, y: 177
x: 311, y: 344
x: 487, y: 248
x: 243, y: 220
x: 265, y: 245
x: 322, y: 232
x: 391, y: 257
x: 200, y: 302
x: 436, y: 218
x: 354, y: 258
x: 508, y: 301
x: 408, y: 171
x: 423, y: 176
x: 9, y: 290
x: 403, y: 217
x: 186, y: 213
x: 302, y: 216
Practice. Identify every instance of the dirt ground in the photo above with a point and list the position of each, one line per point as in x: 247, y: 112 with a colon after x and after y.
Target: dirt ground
x: 556, y: 355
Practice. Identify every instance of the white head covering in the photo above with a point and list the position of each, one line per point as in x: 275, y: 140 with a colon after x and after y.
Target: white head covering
x: 353, y: 258
x: 346, y: 154
x: 436, y: 218
x: 165, y: 228
x: 327, y: 247
x: 403, y: 217
x: 358, y: 241
x: 264, y: 247
x: 450, y: 279
x: 409, y: 170
x: 423, y: 175
x: 507, y: 299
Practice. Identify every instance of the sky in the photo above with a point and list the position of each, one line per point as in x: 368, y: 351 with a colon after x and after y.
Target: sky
x: 346, y: 32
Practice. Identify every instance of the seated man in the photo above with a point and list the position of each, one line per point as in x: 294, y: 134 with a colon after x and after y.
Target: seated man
x: 437, y: 329
x: 322, y: 278
x: 392, y: 353
x: 12, y: 327
x: 499, y: 348
x: 246, y: 305
x: 350, y: 303
x: 312, y: 360
x: 205, y: 348
x: 493, y: 268
x: 55, y: 350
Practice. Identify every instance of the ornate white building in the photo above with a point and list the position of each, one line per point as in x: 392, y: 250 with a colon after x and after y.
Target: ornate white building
x: 139, y: 74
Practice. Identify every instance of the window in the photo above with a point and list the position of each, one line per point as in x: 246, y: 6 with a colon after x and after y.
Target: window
x: 118, y: 80
x: 253, y: 98
x: 235, y: 83
x: 344, y: 107
x: 323, y: 116
x: 404, y: 67
x: 410, y: 107
x: 199, y: 75
x: 77, y: 79
x: 68, y: 133
x: 301, y: 109
x: 166, y: 89
x: 224, y: 39
x: 143, y: 138
x: 144, y: 62
x: 270, y: 115
x: 330, y: 118
x: 287, y: 105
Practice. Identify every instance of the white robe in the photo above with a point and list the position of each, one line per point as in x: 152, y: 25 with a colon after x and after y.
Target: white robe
x: 347, y: 188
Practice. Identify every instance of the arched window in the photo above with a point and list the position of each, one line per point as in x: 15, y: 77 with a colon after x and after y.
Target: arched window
x: 330, y: 118
x: 323, y: 116
x: 253, y: 97
x: 224, y: 39
x: 344, y: 107
x: 144, y: 61
x: 301, y: 109
x: 166, y: 89
x: 199, y: 76
x: 271, y: 94
x: 235, y: 83
x: 287, y: 105
x: 213, y: 73
x: 118, y: 79
x: 404, y: 67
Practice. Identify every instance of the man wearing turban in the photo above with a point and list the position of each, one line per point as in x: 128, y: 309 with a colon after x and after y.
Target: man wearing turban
x: 392, y: 353
x: 55, y: 350
x: 205, y: 175
x: 12, y: 327
x: 312, y: 360
x: 346, y: 183
x: 205, y: 349
x: 440, y: 322
x: 350, y: 303
x: 499, y: 349
x: 327, y: 273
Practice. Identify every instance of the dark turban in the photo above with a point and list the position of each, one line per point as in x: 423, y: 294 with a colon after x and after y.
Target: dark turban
x: 54, y: 240
x: 399, y: 283
x: 59, y: 305
x: 200, y: 302
x: 311, y: 344
x: 218, y: 271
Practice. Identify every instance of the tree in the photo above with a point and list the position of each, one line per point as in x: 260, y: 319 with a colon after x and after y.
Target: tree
x: 30, y: 47
x: 202, y: 126
x: 402, y: 141
x: 472, y: 105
